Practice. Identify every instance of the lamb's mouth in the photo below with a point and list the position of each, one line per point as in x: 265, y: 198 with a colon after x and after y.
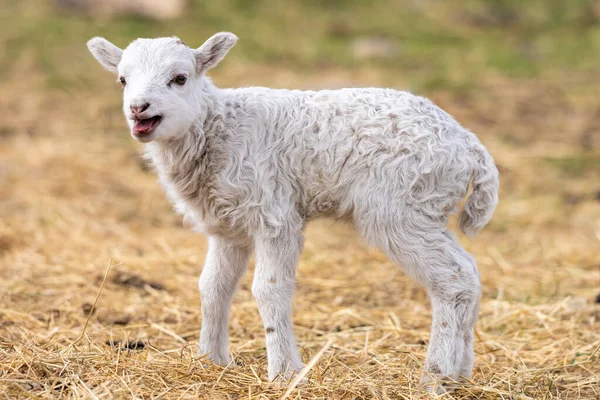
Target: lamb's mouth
x: 145, y: 127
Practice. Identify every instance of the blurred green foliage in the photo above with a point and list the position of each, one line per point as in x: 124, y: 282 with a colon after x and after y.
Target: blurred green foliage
x: 438, y: 43
x: 576, y: 165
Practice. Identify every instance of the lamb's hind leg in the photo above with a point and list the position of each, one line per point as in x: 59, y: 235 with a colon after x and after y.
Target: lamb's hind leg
x: 431, y: 255
x: 466, y: 364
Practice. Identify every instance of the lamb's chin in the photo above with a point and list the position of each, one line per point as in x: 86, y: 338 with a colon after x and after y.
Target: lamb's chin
x: 143, y: 138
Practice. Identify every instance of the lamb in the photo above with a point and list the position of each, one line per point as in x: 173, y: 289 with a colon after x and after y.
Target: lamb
x: 250, y: 167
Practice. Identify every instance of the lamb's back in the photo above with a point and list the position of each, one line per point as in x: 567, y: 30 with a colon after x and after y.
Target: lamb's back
x: 313, y: 148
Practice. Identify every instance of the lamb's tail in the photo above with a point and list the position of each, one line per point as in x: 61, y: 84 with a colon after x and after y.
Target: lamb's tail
x: 481, y: 204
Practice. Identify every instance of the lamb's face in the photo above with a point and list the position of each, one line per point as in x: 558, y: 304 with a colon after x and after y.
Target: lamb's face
x: 162, y: 81
x: 160, y: 88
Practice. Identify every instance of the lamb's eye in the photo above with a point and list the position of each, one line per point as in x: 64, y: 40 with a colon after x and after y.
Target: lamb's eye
x: 179, y: 80
x: 123, y: 81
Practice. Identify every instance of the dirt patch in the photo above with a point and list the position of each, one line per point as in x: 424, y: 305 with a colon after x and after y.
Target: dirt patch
x: 134, y: 281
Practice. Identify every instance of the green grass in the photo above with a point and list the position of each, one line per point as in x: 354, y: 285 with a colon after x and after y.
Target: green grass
x: 576, y: 165
x: 439, y: 44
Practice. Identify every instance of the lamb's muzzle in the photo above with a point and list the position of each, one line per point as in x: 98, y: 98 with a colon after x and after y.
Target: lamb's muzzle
x: 146, y: 126
x: 249, y: 167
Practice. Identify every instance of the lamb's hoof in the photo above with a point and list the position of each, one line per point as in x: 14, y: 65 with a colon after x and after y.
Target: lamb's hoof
x: 284, y: 380
x: 436, y: 384
x: 208, y: 360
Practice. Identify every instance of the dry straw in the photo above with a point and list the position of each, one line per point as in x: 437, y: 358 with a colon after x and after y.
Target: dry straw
x: 74, y: 194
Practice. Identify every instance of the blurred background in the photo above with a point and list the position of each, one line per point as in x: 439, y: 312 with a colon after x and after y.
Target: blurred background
x: 75, y: 196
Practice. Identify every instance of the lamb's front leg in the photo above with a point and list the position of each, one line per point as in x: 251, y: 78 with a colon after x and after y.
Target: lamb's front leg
x: 273, y: 289
x: 225, y: 263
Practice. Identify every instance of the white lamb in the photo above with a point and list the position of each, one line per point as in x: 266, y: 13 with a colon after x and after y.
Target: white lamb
x: 249, y: 167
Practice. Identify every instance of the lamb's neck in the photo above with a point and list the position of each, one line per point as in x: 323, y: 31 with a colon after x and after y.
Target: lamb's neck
x: 177, y: 154
x: 185, y: 165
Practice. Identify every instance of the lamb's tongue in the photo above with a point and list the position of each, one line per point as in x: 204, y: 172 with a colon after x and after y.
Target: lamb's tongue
x: 143, y: 125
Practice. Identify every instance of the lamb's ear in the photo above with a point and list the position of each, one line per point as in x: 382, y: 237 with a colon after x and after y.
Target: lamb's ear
x: 213, y: 50
x: 107, y: 54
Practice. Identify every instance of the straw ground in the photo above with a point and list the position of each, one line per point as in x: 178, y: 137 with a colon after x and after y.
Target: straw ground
x: 75, y: 199
x: 75, y: 195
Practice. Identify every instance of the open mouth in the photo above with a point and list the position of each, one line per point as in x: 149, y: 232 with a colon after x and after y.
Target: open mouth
x: 145, y: 127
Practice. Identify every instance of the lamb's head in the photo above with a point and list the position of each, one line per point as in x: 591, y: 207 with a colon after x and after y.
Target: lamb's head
x: 162, y: 81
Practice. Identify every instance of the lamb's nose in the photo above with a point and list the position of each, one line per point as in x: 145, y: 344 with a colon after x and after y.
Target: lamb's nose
x: 139, y: 109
